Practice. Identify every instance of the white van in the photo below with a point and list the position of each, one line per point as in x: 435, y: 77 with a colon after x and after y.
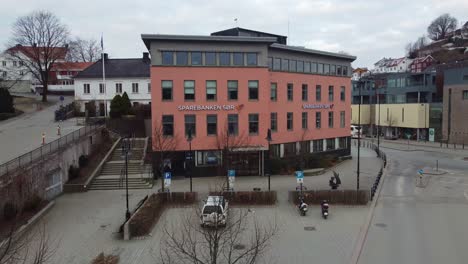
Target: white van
x: 214, y: 212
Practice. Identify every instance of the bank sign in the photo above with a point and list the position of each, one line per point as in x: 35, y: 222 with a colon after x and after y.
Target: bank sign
x: 317, y: 106
x: 206, y: 107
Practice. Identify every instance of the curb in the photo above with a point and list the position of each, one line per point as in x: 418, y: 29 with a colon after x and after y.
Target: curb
x: 441, y: 173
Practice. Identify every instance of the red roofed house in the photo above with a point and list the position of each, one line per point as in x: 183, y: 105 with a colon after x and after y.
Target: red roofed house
x: 420, y: 64
x: 62, y: 75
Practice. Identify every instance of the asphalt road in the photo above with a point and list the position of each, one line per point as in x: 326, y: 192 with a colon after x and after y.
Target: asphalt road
x: 425, y: 224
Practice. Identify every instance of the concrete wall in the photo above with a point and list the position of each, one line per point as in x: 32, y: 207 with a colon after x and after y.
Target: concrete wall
x: 454, y: 122
x: 365, y: 114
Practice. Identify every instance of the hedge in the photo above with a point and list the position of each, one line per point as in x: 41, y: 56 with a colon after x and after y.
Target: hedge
x: 350, y: 197
x: 249, y: 197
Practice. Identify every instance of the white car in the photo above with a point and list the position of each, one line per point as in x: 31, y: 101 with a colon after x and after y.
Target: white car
x: 214, y: 212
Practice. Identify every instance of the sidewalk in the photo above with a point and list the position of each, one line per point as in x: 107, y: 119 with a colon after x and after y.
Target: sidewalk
x: 405, y: 145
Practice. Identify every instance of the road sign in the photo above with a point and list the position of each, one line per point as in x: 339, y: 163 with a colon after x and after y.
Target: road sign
x: 167, y: 179
x: 420, y: 172
x: 300, y: 176
x: 62, y: 98
x: 431, y: 134
x: 231, y: 178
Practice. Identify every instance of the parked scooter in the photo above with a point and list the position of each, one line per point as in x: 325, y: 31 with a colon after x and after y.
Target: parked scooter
x: 302, y: 207
x: 324, y: 206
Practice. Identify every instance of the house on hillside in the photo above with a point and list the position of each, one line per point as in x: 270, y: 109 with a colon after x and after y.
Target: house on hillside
x: 420, y: 64
x: 62, y: 74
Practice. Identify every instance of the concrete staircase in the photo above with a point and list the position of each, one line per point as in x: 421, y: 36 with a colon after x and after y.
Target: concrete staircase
x: 112, y: 175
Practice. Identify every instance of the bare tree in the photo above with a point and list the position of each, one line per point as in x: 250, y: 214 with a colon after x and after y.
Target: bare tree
x: 244, y: 239
x: 412, y: 48
x: 163, y: 147
x: 83, y: 50
x: 39, y: 40
x: 441, y: 26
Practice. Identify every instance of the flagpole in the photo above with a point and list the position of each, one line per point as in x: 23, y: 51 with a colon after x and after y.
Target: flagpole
x: 104, y: 74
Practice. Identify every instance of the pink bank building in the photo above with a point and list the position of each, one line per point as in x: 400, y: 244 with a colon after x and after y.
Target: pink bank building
x: 230, y: 87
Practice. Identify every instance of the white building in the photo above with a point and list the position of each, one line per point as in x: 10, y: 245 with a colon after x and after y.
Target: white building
x: 387, y: 65
x: 121, y: 75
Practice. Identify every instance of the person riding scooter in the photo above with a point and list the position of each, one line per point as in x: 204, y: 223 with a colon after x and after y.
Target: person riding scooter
x: 302, y: 206
x: 324, y: 206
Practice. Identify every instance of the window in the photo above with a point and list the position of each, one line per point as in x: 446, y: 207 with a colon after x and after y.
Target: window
x: 196, y: 58
x: 330, y: 93
x: 318, y: 119
x: 342, y: 119
x: 189, y: 90
x: 102, y: 88
x: 305, y: 91
x: 290, y: 91
x: 273, y: 91
x: 134, y: 87
x: 300, y: 66
x: 149, y: 87
x: 210, y: 58
x: 276, y: 64
x: 292, y: 65
x: 318, y: 145
x: 465, y: 77
x: 333, y: 69
x: 166, y: 90
x: 168, y: 125
x: 270, y: 62
x: 307, y: 67
x: 274, y: 122
x: 338, y: 70
x: 253, y: 90
x: 318, y: 93
x: 15, y: 63
x: 4, y: 63
x: 330, y: 143
x: 465, y: 95
x: 21, y: 73
x: 253, y: 124
x: 232, y: 90
x: 208, y: 158
x: 118, y: 88
x: 320, y: 68
x: 238, y: 58
x: 326, y: 69
x: 181, y: 58
x: 210, y: 90
x: 190, y: 124
x: 168, y: 58
x: 330, y: 119
x: 252, y: 59
x: 211, y: 125
x: 86, y: 88
x: 289, y: 121
x: 305, y: 122
x: 285, y: 65
x: 233, y: 124
x: 275, y: 150
x: 342, y: 93
x: 304, y: 146
x: 314, y: 67
x: 225, y: 59
x: 342, y: 142
x: 402, y: 114
x: 289, y: 149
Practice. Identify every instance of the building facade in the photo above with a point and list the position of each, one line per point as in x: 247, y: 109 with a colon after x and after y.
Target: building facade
x: 62, y: 74
x: 228, y: 90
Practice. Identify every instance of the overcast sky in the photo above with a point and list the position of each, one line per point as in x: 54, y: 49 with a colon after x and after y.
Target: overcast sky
x: 369, y: 29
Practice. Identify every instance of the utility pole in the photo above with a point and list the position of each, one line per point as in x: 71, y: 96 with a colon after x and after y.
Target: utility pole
x: 269, y: 139
x: 359, y: 135
x: 189, y: 139
x: 126, y: 151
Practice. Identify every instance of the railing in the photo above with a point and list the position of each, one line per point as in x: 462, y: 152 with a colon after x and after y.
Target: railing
x: 38, y: 153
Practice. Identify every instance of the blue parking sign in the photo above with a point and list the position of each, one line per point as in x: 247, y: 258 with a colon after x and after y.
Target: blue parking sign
x: 167, y: 175
x: 231, y: 173
x: 300, y: 176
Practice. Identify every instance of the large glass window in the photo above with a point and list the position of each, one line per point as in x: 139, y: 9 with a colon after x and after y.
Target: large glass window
x: 318, y: 119
x: 314, y: 67
x: 292, y: 65
x: 345, y: 71
x: 253, y: 90
x: 318, y: 93
x: 289, y: 121
x: 190, y: 124
x: 326, y: 68
x: 338, y: 70
x: 342, y: 119
x: 181, y: 58
x: 208, y: 158
x: 168, y: 125
x: 196, y: 57
x: 166, y: 90
x: 168, y: 58
x: 189, y: 90
x: 211, y: 125
x: 290, y: 92
x: 342, y: 141
x: 224, y: 58
x: 210, y: 90
x: 251, y: 59
x: 318, y: 145
x: 253, y: 124
x: 330, y: 119
x: 276, y: 64
x: 307, y: 67
x: 274, y: 122
x: 465, y: 95
x: 333, y: 69
x: 238, y: 58
x: 300, y: 66
x: 330, y: 143
x: 330, y: 93
x: 233, y: 124
x: 274, y: 91
x: 232, y: 90
x: 270, y: 62
x: 320, y: 68
x: 305, y: 120
x: 210, y: 58
x: 289, y: 149
x: 284, y: 64
x: 305, y: 92
x: 342, y: 93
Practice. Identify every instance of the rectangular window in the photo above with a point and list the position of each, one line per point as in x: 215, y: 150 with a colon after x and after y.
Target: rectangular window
x: 318, y: 93
x: 270, y: 62
x: 342, y: 93
x: 149, y: 87
x: 189, y: 90
x: 304, y: 146
x: 166, y: 90
x: 232, y: 90
x: 465, y: 95
x: 253, y: 124
x: 4, y: 63
x: 190, y: 124
x: 210, y: 58
x: 305, y: 92
x: 276, y: 64
x: 292, y: 65
x: 284, y: 64
x: 274, y: 122
x: 338, y: 70
x: 86, y: 88
x: 402, y: 115
x: 318, y: 145
x: 252, y: 59
x: 210, y: 90
x: 330, y: 119
x: 168, y: 58
x: 102, y: 88
x: 253, y: 90
x: 465, y: 77
x: 289, y: 149
x: 300, y: 66
x: 330, y: 143
x: 15, y: 63
x: 181, y: 58
x: 307, y: 67
x: 233, y: 124
x: 196, y: 58
x: 224, y: 58
x: 273, y: 91
x: 314, y: 67
x: 290, y: 91
x: 134, y: 87
x: 320, y: 68
x: 326, y: 69
x: 275, y: 150
x: 211, y: 125
x: 118, y: 88
x: 289, y: 121
x: 342, y: 119
x: 333, y: 69
x: 330, y: 93
x: 345, y: 71
x: 318, y: 119
x: 238, y: 58
x: 305, y: 120
x: 208, y: 158
x: 168, y: 125
x: 387, y: 114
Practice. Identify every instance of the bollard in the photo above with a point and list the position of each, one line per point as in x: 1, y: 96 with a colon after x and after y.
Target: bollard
x: 43, y: 138
x: 58, y: 130
x: 437, y: 165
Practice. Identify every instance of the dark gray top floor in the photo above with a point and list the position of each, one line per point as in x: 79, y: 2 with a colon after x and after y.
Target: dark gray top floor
x: 456, y: 76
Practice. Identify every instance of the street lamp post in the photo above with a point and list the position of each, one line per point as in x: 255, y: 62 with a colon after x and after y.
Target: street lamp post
x: 359, y: 135
x: 126, y: 152
x: 269, y: 139
x: 189, y: 139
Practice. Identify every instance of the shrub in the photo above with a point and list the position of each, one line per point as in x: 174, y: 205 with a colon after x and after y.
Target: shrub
x: 6, y: 101
x: 9, y: 211
x: 83, y: 161
x: 105, y: 259
x: 32, y: 203
x: 73, y: 172
x: 116, y: 107
x: 126, y: 105
x: 91, y: 108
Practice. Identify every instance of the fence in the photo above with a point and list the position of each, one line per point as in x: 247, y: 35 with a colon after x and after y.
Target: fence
x: 37, y: 154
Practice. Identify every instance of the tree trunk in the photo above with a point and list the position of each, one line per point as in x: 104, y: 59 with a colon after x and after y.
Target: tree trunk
x: 44, y: 92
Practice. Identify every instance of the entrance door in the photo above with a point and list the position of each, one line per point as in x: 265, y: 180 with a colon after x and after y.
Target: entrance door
x: 102, y: 109
x: 246, y: 163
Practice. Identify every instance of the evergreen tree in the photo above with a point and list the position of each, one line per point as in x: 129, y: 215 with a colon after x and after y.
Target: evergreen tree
x: 116, y: 106
x: 6, y: 101
x: 126, y: 105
